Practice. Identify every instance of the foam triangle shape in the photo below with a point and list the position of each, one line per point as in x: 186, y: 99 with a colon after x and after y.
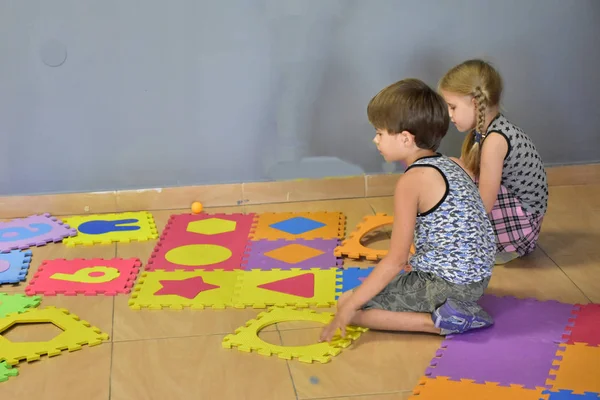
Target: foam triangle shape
x: 301, y: 285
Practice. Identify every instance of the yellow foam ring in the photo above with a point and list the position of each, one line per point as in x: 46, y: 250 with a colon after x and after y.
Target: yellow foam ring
x: 84, y: 275
x: 198, y: 254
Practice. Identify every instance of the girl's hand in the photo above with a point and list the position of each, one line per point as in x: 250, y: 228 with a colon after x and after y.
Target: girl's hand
x: 342, y: 319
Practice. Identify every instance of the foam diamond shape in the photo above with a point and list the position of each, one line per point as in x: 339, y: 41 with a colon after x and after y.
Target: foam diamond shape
x: 294, y: 253
x: 211, y: 226
x: 297, y: 225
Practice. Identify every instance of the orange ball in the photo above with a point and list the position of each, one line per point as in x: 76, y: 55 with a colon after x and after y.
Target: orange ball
x: 196, y: 207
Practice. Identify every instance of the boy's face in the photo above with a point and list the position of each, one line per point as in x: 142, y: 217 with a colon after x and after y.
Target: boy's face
x: 462, y: 111
x: 390, y: 145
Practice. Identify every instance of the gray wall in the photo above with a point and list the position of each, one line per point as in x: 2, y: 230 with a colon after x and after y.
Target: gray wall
x: 156, y: 93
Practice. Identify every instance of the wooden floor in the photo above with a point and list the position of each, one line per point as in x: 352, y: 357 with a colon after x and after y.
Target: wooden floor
x: 178, y: 354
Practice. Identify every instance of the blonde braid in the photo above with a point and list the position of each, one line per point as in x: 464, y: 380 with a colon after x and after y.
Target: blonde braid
x: 481, y: 108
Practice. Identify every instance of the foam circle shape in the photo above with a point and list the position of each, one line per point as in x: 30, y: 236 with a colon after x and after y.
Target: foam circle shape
x: 4, y: 265
x: 198, y: 254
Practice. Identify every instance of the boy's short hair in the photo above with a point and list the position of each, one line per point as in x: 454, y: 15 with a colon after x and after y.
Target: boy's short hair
x: 410, y: 105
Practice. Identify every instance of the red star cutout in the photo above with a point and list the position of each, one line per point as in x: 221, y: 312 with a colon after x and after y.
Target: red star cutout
x: 188, y: 288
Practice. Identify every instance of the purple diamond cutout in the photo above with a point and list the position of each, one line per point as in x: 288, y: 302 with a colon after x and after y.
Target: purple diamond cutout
x: 35, y: 230
x: 257, y: 259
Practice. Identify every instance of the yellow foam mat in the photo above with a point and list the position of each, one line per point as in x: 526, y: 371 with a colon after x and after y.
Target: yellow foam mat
x: 246, y: 337
x: 178, y: 289
x: 145, y: 221
x: 75, y: 333
x: 287, y: 288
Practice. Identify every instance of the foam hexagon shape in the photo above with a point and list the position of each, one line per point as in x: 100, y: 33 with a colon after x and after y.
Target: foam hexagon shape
x: 75, y: 333
x: 211, y: 226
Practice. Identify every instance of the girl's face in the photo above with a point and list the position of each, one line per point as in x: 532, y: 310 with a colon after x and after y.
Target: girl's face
x: 462, y: 110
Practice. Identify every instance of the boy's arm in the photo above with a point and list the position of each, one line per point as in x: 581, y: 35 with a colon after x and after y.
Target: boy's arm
x: 405, y: 213
x: 493, y: 151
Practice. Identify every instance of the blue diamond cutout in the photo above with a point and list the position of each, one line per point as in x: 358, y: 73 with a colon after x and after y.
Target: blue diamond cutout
x: 297, y: 225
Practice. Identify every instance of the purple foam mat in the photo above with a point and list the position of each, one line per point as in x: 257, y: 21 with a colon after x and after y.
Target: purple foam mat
x: 505, y: 361
x: 541, y: 320
x: 35, y: 230
x: 257, y: 259
x: 518, y: 349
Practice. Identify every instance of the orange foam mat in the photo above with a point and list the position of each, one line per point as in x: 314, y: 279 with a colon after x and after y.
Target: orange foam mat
x: 442, y: 388
x: 578, y: 369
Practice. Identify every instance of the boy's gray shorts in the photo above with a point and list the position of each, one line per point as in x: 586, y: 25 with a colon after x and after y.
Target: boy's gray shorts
x: 419, y: 291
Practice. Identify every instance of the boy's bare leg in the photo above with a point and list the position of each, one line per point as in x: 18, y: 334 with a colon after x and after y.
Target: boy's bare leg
x: 395, y: 321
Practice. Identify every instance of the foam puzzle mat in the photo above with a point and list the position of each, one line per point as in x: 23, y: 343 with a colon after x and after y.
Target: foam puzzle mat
x: 6, y: 371
x: 35, y: 230
x: 17, y: 303
x: 84, y: 276
x: 246, y: 337
x: 299, y: 225
x: 202, y: 241
x: 14, y: 266
x: 541, y: 337
x: 299, y: 253
x: 176, y: 290
x: 109, y: 228
x: 219, y: 289
x: 75, y: 333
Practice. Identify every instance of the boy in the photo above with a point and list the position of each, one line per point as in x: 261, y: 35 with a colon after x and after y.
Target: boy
x: 437, y: 205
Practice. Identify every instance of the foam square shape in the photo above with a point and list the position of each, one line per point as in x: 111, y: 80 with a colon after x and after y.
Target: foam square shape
x: 443, y: 388
x: 295, y: 287
x: 246, y: 337
x: 35, y: 230
x: 179, y: 289
x: 576, y: 368
x: 76, y: 332
x: 484, y: 358
x: 569, y: 395
x: 14, y: 266
x: 526, y: 318
x: 299, y: 253
x: 188, y: 245
x: 352, y: 277
x: 109, y: 228
x: 299, y: 225
x: 586, y: 325
x: 84, y: 276
x: 17, y: 303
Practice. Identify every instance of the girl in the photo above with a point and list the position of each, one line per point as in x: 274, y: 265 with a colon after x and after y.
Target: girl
x: 503, y: 159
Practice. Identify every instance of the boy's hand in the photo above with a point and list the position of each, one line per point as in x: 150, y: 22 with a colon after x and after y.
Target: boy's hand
x: 342, y: 319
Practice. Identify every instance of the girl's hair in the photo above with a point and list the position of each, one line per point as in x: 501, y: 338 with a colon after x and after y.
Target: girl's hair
x: 479, y: 79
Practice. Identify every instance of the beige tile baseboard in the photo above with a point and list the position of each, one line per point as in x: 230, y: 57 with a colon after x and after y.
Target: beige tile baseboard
x: 241, y: 193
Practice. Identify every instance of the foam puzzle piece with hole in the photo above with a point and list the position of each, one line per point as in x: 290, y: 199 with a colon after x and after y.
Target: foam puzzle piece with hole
x: 352, y: 247
x: 75, y: 333
x: 110, y: 228
x: 443, y: 388
x: 176, y: 290
x: 85, y: 276
x: 246, y: 337
x: 286, y: 254
x: 17, y: 303
x: 585, y: 327
x: 35, y: 230
x: 294, y: 287
x: 576, y: 367
x: 14, y: 266
x: 202, y: 241
x: 299, y: 225
x: 6, y: 371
